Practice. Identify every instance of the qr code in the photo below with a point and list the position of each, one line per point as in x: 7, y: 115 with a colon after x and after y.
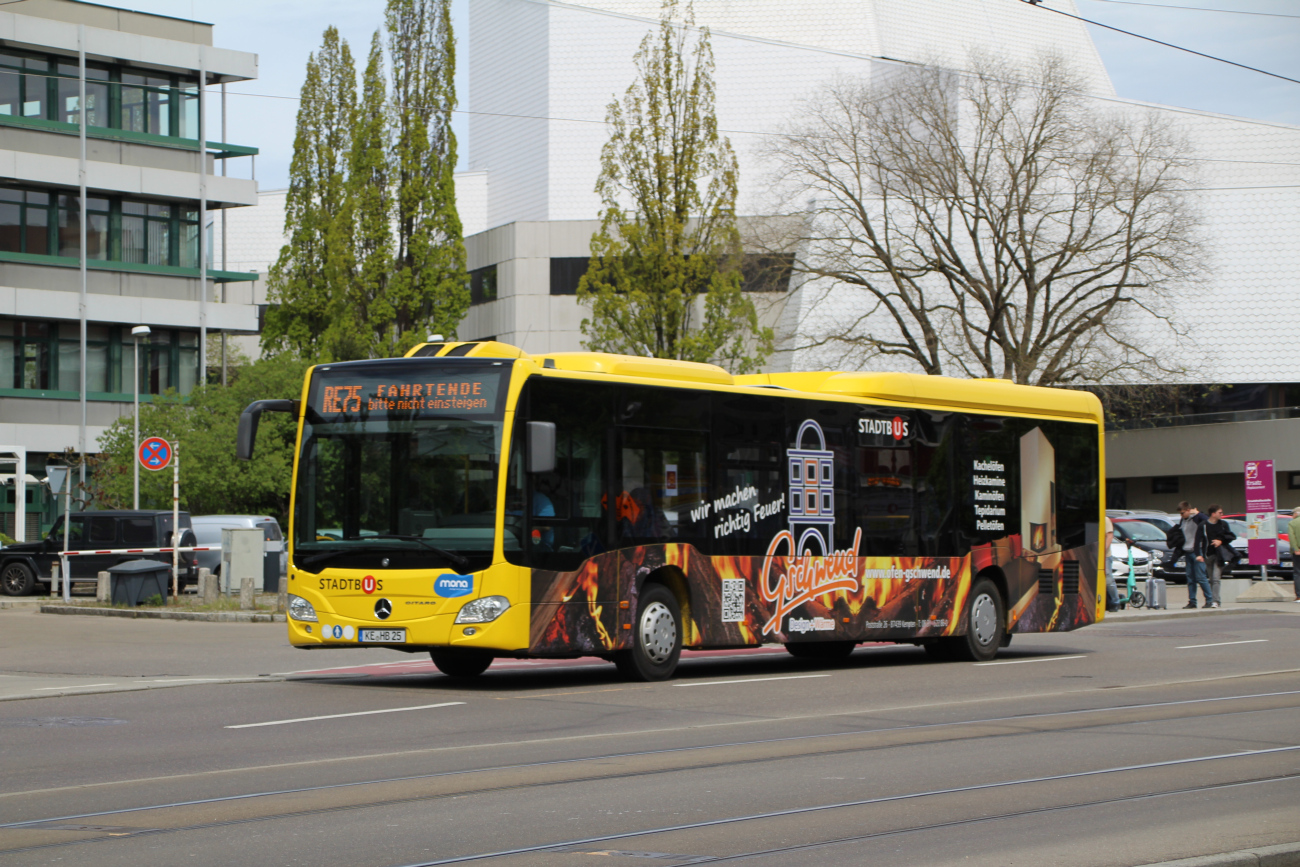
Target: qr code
x: 733, y: 600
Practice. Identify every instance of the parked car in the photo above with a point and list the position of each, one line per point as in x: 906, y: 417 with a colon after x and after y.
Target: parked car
x: 207, y: 528
x: 1150, y: 538
x: 25, y: 565
x: 1142, y: 561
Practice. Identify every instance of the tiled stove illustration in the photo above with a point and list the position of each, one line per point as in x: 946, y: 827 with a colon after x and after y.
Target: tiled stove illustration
x: 812, y: 488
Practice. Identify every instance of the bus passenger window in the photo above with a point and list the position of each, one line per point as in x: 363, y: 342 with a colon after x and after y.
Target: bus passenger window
x: 664, y: 487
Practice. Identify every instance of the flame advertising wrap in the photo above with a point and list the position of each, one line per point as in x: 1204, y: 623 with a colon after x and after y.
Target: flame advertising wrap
x: 803, y: 589
x: 800, y: 598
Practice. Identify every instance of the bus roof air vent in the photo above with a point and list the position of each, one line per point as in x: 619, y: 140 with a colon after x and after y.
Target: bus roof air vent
x: 631, y: 365
x: 470, y: 348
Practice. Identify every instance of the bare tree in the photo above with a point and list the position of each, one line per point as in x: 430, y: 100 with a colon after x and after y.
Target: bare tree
x: 996, y: 221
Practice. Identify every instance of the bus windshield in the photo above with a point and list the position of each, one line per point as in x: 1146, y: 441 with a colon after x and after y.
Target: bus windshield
x: 399, y: 466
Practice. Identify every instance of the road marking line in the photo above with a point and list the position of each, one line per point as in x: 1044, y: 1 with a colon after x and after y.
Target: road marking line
x: 184, y: 680
x: 80, y: 686
x: 1019, y: 661
x: 281, y: 722
x: 1222, y: 643
x: 752, y: 680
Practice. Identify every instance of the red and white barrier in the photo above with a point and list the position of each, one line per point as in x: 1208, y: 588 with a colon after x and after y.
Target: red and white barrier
x: 138, y: 551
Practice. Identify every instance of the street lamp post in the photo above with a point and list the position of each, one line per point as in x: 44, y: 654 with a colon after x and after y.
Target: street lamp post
x: 136, y: 333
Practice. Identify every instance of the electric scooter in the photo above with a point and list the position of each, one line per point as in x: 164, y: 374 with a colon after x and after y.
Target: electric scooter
x: 1131, y: 596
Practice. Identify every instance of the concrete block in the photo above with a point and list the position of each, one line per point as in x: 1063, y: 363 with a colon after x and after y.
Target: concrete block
x: 103, y: 588
x: 209, y: 586
x: 246, y: 594
x: 1265, y: 591
x: 1231, y: 588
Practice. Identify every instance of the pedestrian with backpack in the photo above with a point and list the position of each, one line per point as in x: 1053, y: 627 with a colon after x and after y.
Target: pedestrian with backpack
x: 1219, y: 551
x: 1187, y: 539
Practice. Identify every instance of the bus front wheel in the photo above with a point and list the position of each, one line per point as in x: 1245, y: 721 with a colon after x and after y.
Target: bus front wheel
x: 656, y: 637
x: 461, y: 663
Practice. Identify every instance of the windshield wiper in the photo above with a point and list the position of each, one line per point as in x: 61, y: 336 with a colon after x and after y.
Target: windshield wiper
x: 454, y: 559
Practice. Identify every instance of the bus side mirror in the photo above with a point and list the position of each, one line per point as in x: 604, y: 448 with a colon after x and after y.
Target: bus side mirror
x: 249, y: 419
x: 541, y: 446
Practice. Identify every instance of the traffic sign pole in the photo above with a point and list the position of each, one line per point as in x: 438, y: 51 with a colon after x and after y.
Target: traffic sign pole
x: 176, y: 523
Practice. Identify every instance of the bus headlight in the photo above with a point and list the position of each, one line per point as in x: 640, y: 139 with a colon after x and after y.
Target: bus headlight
x: 483, y: 610
x: 301, y: 609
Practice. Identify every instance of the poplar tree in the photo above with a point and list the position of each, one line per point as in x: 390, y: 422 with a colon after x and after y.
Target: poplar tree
x: 375, y: 259
x: 665, y: 272
x: 318, y: 261
x: 361, y: 320
x: 428, y: 289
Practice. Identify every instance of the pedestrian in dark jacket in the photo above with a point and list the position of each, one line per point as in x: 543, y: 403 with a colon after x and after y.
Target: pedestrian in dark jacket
x: 1194, y: 545
x: 1219, y: 551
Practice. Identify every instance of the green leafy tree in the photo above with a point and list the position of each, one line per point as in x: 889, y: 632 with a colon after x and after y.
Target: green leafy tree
x: 665, y: 272
x: 363, y: 310
x: 375, y: 259
x: 428, y: 289
x: 318, y: 262
x: 212, y: 479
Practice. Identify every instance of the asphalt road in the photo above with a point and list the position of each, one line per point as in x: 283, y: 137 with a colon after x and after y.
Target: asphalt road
x: 182, y: 743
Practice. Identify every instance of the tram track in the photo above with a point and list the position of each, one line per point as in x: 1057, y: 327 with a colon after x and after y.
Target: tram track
x: 260, y: 807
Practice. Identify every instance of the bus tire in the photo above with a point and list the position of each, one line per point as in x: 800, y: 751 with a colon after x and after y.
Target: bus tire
x: 656, y: 637
x: 16, y: 579
x: 824, y: 651
x: 986, y: 624
x: 461, y: 662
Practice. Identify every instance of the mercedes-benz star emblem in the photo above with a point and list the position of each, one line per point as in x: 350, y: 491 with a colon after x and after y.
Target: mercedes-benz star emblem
x: 384, y: 562
x: 383, y: 608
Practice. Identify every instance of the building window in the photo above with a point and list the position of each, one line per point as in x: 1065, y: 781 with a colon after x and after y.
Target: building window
x: 46, y: 356
x: 1164, y: 485
x: 25, y: 221
x: 118, y: 229
x: 483, y: 285
x: 760, y: 273
x: 566, y: 273
x: 46, y: 87
x: 97, y: 220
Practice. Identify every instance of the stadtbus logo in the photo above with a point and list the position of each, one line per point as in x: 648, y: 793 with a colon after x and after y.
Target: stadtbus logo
x: 896, y: 427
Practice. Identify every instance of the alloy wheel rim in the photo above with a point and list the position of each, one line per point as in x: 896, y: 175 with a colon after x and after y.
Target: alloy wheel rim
x: 658, y: 632
x: 984, y: 619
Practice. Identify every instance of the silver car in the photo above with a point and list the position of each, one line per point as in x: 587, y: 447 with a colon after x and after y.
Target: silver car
x: 207, y: 529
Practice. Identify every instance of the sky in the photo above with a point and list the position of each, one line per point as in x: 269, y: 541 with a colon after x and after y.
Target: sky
x: 1259, y: 33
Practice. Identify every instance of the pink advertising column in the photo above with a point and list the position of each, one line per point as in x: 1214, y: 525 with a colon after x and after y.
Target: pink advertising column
x: 1261, y: 515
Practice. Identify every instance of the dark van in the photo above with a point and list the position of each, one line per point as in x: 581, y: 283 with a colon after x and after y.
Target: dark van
x: 24, y: 565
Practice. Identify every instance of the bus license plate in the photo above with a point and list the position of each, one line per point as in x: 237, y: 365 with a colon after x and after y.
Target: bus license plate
x: 384, y: 636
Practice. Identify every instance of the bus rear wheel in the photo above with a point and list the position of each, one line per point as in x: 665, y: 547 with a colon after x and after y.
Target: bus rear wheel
x: 986, y: 625
x: 461, y: 663
x: 656, y: 637
x: 824, y: 651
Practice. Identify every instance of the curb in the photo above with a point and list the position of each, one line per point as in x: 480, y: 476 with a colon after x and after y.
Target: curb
x: 1285, y: 855
x: 153, y: 614
x: 1176, y: 613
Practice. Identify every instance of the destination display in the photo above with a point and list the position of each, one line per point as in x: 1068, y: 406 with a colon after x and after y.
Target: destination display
x: 418, y: 393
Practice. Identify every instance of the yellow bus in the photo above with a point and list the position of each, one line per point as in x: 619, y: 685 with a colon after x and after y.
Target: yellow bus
x: 475, y: 501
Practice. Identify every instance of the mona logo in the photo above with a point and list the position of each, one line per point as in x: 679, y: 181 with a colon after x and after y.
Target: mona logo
x: 451, y: 586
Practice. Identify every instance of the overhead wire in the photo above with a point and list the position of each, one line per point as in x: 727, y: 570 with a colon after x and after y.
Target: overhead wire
x: 1197, y: 8
x: 1040, y: 5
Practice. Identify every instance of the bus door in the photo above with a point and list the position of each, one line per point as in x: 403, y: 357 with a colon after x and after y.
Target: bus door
x: 663, y: 507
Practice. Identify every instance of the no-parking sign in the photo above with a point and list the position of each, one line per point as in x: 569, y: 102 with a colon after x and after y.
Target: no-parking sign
x: 155, y: 453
